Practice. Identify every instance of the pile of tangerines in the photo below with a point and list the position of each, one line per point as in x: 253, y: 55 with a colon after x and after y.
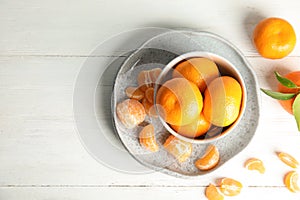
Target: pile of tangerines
x: 198, y: 97
x: 193, y: 100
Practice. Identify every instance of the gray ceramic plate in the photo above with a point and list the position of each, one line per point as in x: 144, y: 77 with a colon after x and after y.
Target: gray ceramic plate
x: 159, y: 51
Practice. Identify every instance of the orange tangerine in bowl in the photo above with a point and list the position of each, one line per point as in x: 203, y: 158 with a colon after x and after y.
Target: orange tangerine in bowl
x: 198, y: 70
x: 180, y: 101
x: 199, y: 97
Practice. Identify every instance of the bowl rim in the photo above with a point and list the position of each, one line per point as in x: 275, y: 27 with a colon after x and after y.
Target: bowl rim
x: 213, y: 57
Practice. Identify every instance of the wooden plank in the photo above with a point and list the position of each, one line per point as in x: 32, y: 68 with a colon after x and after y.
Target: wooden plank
x: 39, y: 144
x: 44, y: 28
x: 43, y: 46
x: 146, y: 193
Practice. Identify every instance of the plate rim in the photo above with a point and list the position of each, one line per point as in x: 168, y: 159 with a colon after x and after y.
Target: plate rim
x: 190, y: 33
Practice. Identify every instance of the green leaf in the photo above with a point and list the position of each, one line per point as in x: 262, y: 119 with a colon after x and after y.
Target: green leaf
x: 278, y: 95
x: 296, y: 110
x: 284, y: 81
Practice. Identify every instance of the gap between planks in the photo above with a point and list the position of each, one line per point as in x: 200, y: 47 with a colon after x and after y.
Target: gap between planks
x: 60, y: 56
x: 104, y: 56
x: 120, y: 186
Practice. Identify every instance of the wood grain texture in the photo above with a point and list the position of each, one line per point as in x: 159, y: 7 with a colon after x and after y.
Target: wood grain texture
x: 39, y: 144
x: 147, y: 193
x: 60, y: 27
x: 43, y: 45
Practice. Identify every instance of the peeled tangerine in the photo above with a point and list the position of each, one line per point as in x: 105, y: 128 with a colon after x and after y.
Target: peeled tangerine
x: 147, y: 138
x: 131, y: 113
x: 222, y: 101
x: 209, y: 160
x: 180, y: 149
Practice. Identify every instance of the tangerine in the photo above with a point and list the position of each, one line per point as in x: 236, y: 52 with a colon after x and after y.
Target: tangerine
x: 212, y: 193
x: 291, y: 181
x: 209, y: 160
x: 149, y: 108
x: 149, y: 94
x: 222, y: 101
x: 274, y: 38
x: 198, y: 70
x: 131, y: 113
x: 134, y: 93
x: 288, y: 159
x: 179, y: 101
x: 147, y: 138
x: 288, y: 104
x: 230, y: 187
x: 195, y: 129
x: 255, y: 164
x: 147, y: 78
x: 180, y: 149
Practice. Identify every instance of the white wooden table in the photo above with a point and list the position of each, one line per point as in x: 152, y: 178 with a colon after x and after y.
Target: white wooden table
x: 42, y: 47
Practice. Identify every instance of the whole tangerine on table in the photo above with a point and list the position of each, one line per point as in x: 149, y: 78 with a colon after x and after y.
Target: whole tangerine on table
x: 274, y: 38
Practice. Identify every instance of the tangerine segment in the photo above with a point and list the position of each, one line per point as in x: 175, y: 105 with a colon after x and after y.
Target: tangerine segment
x: 149, y: 94
x: 180, y: 101
x: 274, y: 38
x: 147, y: 138
x: 147, y: 78
x: 291, y: 181
x: 149, y: 108
x: 209, y: 160
x: 195, y: 129
x: 255, y: 164
x: 134, y: 93
x: 288, y: 159
x: 288, y: 104
x: 131, y: 113
x: 180, y: 149
x: 230, y: 187
x: 200, y: 71
x: 222, y: 101
x: 212, y: 193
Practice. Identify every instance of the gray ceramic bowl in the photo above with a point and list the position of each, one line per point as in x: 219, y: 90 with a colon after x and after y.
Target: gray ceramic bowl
x: 225, y: 68
x: 159, y: 52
